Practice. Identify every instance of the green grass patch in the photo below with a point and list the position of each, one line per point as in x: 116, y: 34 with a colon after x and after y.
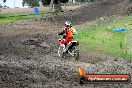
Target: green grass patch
x: 99, y: 36
x: 12, y: 17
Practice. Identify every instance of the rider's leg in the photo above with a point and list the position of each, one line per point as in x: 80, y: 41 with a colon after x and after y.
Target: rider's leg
x: 69, y: 39
x: 63, y: 44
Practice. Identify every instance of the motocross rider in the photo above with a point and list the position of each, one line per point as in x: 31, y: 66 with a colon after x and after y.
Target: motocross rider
x: 67, y: 33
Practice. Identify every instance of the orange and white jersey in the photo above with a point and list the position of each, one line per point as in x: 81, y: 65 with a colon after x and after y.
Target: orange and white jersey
x: 70, y: 31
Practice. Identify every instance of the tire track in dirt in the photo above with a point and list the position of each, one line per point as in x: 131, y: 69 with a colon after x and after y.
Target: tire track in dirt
x: 48, y: 70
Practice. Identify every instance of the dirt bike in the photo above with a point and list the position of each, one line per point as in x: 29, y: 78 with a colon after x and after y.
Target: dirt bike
x: 71, y: 49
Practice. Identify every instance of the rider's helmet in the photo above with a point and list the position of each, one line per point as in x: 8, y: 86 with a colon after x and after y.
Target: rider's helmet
x: 68, y: 24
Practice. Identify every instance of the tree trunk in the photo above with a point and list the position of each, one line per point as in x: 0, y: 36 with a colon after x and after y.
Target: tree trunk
x: 55, y: 7
x: 73, y: 1
x: 51, y: 5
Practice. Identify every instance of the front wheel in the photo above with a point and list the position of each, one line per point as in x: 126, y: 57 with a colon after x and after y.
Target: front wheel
x: 61, y: 51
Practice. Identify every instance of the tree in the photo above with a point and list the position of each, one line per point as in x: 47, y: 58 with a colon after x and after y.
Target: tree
x: 54, y: 4
x: 31, y: 2
x: 64, y: 1
x: 46, y: 2
x: 1, y: 5
x: 4, y: 1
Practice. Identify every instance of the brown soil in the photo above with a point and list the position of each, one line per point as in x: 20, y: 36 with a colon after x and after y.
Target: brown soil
x: 28, y: 53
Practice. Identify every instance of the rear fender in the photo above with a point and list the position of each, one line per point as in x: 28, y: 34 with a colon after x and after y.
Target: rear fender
x: 75, y: 43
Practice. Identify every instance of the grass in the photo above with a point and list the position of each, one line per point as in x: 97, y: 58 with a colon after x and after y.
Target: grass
x: 12, y: 17
x: 98, y: 36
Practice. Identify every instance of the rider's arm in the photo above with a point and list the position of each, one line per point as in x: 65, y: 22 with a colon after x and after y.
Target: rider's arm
x: 61, y: 33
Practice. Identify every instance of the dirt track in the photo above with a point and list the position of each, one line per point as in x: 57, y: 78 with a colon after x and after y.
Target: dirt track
x: 28, y: 56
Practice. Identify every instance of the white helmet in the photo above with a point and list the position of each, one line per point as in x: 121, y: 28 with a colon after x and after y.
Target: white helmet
x: 68, y: 24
